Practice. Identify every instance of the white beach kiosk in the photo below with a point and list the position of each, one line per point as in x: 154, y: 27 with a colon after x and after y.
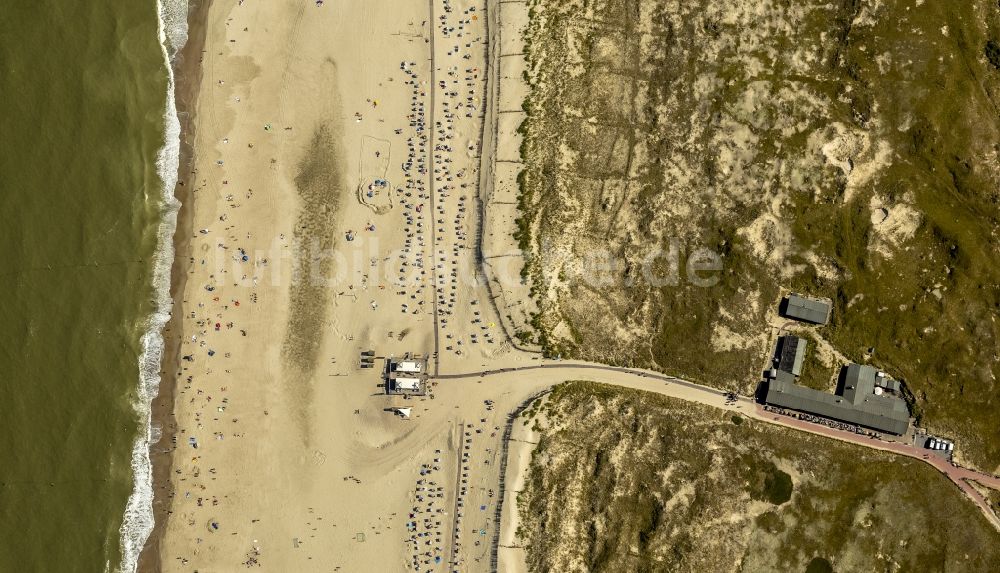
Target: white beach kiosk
x: 406, y: 376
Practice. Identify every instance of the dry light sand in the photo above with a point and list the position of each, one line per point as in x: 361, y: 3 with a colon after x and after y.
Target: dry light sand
x: 287, y: 455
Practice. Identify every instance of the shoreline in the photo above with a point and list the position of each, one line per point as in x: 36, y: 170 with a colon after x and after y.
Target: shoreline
x: 187, y: 78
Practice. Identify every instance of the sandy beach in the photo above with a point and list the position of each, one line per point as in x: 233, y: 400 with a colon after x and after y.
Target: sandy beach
x: 330, y: 210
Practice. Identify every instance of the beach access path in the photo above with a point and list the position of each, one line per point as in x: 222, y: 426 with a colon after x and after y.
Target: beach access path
x: 535, y: 378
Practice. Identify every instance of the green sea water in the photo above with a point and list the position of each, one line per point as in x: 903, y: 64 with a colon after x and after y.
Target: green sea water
x: 83, y: 88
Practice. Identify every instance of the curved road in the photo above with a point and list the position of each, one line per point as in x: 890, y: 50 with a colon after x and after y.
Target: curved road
x: 552, y: 373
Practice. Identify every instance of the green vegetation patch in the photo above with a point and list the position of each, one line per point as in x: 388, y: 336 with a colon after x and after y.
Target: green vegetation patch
x: 843, y: 149
x: 777, y: 486
x: 624, y: 480
x: 819, y: 565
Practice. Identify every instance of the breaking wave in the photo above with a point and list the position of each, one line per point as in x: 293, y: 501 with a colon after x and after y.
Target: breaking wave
x: 138, y: 520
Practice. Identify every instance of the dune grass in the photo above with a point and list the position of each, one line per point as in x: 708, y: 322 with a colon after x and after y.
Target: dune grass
x: 624, y: 480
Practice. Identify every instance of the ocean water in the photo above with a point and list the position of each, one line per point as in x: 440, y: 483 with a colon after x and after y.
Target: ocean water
x: 88, y: 158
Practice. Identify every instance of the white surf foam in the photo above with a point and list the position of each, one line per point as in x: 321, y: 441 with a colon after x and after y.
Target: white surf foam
x: 137, y: 523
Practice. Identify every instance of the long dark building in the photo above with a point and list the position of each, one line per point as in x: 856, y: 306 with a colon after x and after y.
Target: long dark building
x: 855, y: 401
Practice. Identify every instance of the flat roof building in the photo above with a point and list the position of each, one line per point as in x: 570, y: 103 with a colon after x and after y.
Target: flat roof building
x: 805, y: 309
x: 404, y: 385
x: 409, y: 366
x: 409, y: 384
x: 791, y: 353
x: 855, y: 401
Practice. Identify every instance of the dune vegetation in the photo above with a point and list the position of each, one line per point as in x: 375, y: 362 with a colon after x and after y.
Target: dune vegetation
x: 624, y: 480
x: 844, y: 149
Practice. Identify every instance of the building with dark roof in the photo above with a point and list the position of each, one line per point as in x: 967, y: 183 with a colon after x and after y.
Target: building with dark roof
x: 805, y: 309
x: 790, y: 354
x: 855, y: 402
x: 887, y: 383
x: 785, y: 377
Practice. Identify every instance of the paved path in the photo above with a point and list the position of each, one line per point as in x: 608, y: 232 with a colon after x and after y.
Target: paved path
x: 551, y: 373
x: 956, y: 474
x: 590, y: 366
